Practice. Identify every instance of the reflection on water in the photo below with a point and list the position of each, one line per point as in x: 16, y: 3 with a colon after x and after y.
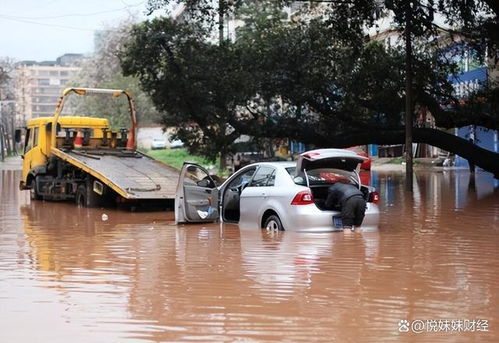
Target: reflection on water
x: 67, y: 275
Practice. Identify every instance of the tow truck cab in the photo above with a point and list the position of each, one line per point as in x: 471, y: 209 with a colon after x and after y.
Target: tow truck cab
x: 38, y: 137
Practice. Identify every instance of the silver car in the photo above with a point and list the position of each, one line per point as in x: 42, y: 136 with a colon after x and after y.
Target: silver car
x: 274, y: 195
x: 158, y: 143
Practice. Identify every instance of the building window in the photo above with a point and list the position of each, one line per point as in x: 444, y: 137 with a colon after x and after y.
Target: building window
x: 46, y: 108
x: 43, y: 82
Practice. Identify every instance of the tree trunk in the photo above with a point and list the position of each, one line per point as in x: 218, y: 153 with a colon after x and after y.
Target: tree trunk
x: 220, y: 21
x: 408, y: 100
x: 223, y: 161
x: 2, y: 143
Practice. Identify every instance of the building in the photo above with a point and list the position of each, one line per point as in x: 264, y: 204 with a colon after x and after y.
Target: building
x: 38, y: 85
x: 469, y: 80
x: 473, y: 74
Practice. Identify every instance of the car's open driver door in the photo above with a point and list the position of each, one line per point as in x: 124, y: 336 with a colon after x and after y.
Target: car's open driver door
x: 196, y: 199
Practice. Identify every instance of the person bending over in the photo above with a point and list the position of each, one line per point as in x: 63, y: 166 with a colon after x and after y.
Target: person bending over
x: 351, y: 201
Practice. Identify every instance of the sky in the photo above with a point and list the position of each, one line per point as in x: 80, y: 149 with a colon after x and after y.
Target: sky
x: 43, y: 30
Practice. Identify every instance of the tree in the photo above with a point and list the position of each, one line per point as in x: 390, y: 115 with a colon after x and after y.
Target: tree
x: 314, y: 80
x: 7, y: 112
x: 197, y: 85
x: 103, y: 70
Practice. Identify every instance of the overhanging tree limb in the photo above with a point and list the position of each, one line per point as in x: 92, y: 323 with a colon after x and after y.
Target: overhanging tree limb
x: 482, y: 158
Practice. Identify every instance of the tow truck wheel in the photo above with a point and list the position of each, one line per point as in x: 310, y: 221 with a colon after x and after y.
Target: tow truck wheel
x: 86, y: 197
x: 81, y: 196
x: 33, y: 192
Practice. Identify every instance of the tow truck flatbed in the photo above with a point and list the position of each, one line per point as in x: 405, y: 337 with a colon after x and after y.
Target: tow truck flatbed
x: 131, y: 174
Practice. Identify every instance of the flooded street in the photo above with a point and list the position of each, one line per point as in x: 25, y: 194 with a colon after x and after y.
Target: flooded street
x: 67, y: 275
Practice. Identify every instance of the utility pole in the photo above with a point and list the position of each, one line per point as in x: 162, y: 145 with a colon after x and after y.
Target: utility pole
x: 408, y: 98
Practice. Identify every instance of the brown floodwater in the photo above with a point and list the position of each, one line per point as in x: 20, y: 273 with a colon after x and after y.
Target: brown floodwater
x: 67, y: 275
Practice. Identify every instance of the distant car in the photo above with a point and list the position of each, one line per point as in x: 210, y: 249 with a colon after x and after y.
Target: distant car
x: 158, y: 143
x: 274, y: 195
x: 176, y: 144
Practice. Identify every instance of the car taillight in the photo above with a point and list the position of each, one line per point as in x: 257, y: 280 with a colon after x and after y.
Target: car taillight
x: 303, y: 198
x: 374, y: 197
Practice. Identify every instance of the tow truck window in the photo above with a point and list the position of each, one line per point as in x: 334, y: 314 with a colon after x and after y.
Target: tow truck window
x: 28, y: 143
x: 35, y: 137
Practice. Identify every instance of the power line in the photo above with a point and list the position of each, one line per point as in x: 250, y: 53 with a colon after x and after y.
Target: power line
x: 45, y: 24
x: 76, y: 14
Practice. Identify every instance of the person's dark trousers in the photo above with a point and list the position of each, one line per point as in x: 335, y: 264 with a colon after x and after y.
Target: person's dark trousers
x: 353, y: 211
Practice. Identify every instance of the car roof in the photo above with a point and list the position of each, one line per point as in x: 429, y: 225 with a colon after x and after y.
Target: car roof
x: 282, y: 164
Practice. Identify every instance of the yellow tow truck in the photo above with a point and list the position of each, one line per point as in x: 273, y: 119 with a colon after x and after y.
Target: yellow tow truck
x: 82, y: 159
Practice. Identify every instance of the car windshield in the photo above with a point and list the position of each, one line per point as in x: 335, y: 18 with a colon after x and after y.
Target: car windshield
x: 323, y: 176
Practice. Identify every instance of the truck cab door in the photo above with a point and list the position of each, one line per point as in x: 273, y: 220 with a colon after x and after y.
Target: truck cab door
x: 30, y: 151
x: 196, y: 199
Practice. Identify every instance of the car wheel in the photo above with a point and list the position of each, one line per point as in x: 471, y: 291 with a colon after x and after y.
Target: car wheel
x: 33, y: 192
x: 273, y: 223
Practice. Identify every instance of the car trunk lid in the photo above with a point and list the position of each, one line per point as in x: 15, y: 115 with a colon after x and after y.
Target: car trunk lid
x: 328, y: 158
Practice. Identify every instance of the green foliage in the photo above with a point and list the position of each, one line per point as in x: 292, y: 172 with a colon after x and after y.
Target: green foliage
x: 312, y: 78
x: 177, y: 157
x: 197, y: 85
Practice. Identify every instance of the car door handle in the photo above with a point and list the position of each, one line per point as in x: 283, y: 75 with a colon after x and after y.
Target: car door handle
x: 208, y: 191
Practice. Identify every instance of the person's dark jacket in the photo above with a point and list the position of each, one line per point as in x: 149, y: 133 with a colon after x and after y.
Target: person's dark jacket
x: 339, y: 193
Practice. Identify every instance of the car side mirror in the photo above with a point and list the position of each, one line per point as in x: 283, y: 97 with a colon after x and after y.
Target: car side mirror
x: 205, y: 183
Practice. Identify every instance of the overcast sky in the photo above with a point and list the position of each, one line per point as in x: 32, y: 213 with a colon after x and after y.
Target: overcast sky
x: 46, y: 29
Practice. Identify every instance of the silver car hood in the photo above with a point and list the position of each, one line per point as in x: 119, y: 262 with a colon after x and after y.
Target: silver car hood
x: 328, y: 158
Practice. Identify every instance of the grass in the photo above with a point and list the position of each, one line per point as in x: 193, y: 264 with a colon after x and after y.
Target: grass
x: 399, y: 160
x: 177, y: 157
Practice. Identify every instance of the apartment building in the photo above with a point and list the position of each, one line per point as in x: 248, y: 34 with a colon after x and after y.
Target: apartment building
x: 39, y: 85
